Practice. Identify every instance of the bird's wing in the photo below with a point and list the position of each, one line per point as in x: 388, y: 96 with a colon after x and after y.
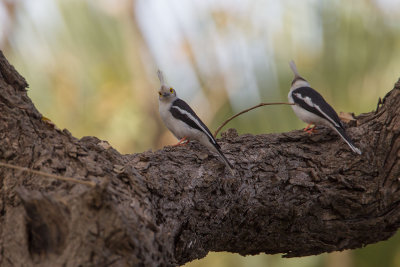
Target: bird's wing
x: 312, y: 101
x: 180, y: 110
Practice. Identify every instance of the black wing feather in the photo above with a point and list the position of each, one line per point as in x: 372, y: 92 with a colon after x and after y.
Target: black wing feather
x: 318, y: 100
x: 185, y: 118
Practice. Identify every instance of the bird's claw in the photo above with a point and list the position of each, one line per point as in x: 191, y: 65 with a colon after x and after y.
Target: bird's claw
x: 182, y: 142
x: 310, y: 130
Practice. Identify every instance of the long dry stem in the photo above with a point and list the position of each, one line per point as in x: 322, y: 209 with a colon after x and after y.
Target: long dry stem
x: 48, y: 175
x: 246, y: 110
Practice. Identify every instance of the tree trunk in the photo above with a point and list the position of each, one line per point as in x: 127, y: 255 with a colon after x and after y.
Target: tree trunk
x: 294, y: 193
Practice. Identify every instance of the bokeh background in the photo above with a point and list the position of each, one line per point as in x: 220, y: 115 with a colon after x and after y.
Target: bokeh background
x: 91, y: 66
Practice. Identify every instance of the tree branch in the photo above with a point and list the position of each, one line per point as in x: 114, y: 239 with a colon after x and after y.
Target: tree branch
x: 294, y: 193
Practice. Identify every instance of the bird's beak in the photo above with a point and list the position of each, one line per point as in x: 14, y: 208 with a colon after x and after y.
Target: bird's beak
x: 161, y: 94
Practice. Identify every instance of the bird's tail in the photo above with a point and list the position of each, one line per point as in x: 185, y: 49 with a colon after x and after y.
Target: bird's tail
x: 224, y: 159
x: 347, y: 139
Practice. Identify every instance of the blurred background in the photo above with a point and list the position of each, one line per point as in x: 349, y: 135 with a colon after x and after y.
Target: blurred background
x: 91, y: 66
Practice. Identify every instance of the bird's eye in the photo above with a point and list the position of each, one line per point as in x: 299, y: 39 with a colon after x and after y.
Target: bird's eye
x: 159, y: 93
x: 171, y: 90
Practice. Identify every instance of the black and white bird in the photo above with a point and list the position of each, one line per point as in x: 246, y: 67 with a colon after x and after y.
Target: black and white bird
x: 312, y: 108
x: 183, y: 122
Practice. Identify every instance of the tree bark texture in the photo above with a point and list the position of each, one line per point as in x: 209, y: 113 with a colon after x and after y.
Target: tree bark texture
x: 293, y: 193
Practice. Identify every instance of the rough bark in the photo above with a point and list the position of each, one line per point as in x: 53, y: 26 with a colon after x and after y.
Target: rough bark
x: 294, y: 193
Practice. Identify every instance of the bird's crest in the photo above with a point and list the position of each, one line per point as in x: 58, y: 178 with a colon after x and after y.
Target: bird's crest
x: 297, y: 76
x: 294, y: 69
x: 161, y: 77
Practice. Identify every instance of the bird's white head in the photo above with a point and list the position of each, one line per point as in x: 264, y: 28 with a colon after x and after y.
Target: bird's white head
x: 165, y: 93
x: 298, y: 81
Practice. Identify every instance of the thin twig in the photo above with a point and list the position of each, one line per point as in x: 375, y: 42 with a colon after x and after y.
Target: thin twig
x: 48, y: 175
x: 246, y: 110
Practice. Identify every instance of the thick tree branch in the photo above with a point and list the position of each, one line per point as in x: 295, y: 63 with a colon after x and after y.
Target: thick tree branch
x: 294, y: 193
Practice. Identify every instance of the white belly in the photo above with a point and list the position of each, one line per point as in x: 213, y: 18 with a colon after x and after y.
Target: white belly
x: 177, y: 127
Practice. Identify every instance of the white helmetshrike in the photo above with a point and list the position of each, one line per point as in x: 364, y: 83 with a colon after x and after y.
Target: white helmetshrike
x: 312, y: 108
x: 183, y: 122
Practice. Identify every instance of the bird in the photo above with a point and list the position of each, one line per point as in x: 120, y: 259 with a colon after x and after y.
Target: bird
x: 311, y: 107
x: 183, y: 122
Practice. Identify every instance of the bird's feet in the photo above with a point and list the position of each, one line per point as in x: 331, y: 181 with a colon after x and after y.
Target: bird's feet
x: 310, y: 130
x: 182, y: 142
